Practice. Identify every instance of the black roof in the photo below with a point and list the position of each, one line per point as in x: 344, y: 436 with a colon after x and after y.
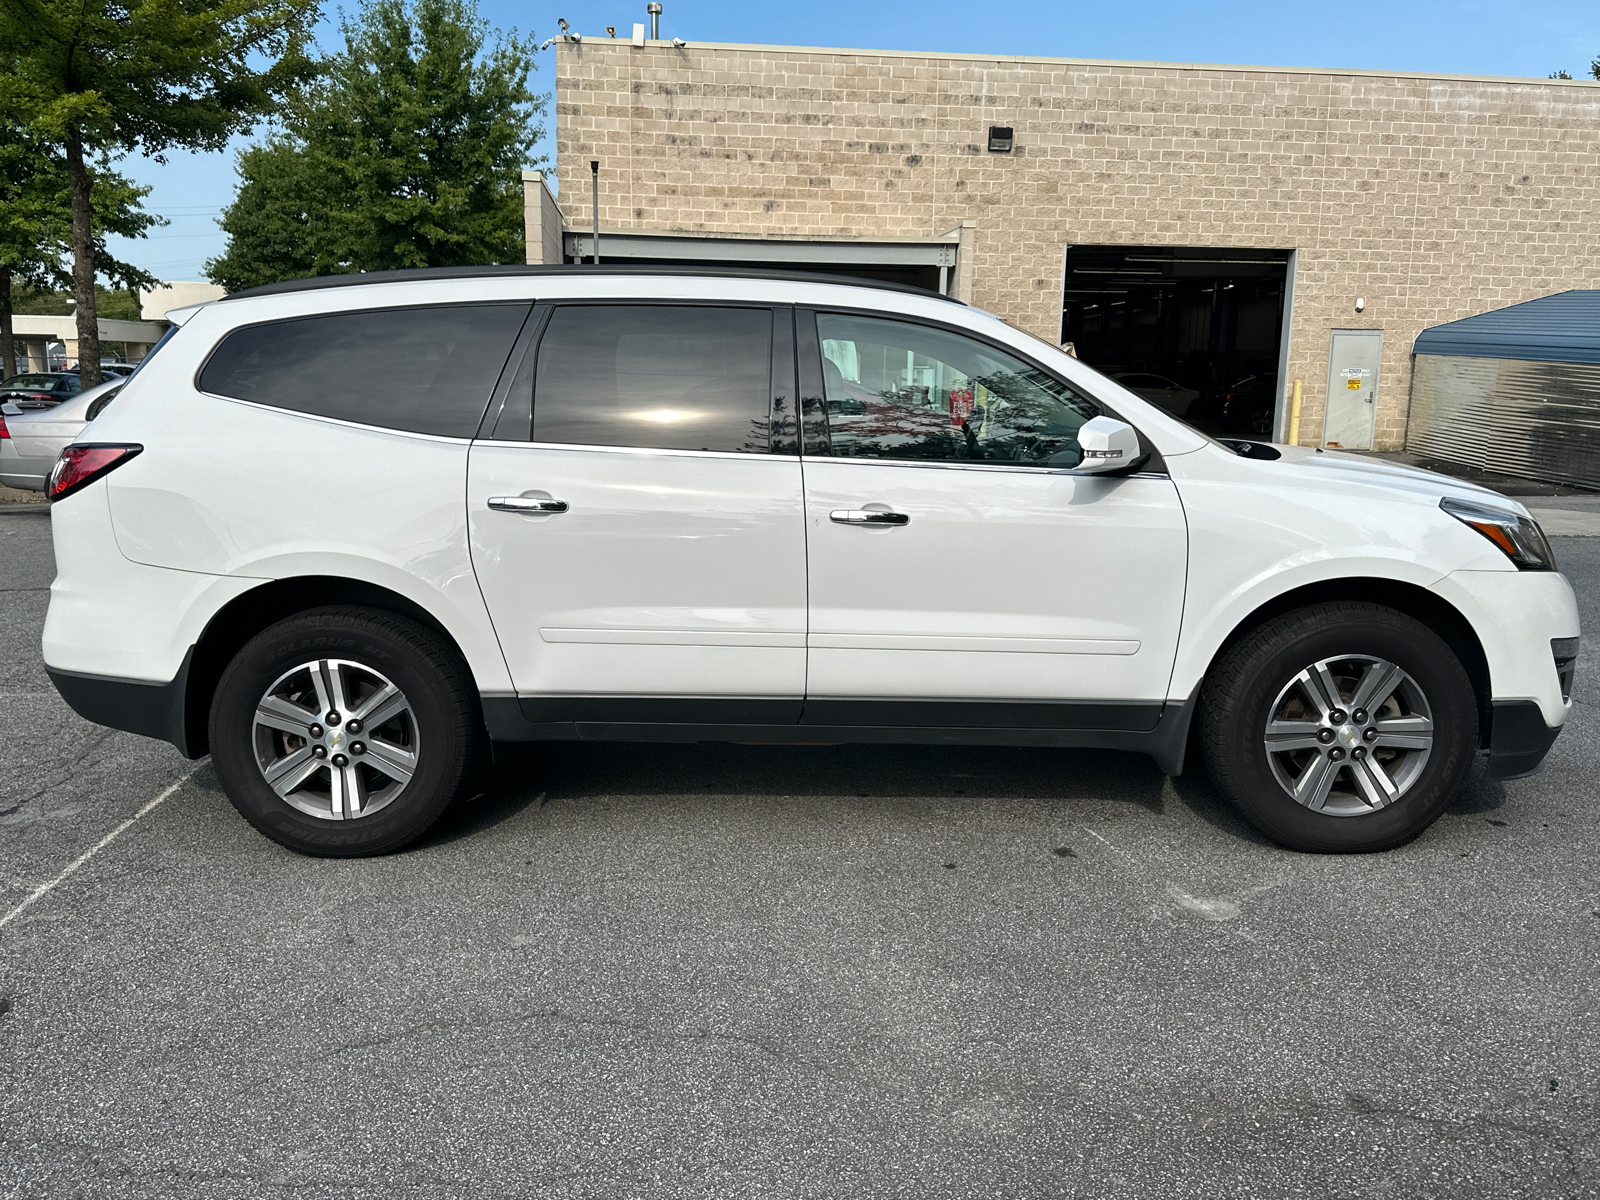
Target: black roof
x: 419, y: 274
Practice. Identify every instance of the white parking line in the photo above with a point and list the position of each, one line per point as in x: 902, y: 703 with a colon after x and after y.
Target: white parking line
x: 45, y: 889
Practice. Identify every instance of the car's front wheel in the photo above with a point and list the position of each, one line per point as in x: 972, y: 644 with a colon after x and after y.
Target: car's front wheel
x: 1339, y: 727
x: 344, y: 731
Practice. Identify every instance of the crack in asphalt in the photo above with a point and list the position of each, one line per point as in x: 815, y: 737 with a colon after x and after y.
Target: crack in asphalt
x: 1358, y: 1105
x: 774, y: 1051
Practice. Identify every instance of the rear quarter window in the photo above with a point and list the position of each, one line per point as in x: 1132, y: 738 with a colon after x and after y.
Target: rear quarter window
x: 422, y: 370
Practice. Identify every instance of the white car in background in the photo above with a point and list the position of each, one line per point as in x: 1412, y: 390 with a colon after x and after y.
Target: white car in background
x: 343, y: 533
x: 1164, y: 393
x: 32, y: 442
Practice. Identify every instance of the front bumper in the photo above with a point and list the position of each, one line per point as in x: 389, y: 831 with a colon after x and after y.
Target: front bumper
x: 1518, y: 739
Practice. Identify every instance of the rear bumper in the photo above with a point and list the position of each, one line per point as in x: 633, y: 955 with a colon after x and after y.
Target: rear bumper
x: 135, y: 705
x: 1519, y: 739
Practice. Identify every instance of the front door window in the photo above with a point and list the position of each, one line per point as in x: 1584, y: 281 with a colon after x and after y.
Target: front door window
x: 896, y: 390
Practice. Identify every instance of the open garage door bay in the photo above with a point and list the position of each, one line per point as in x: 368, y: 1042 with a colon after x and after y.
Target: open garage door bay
x: 1199, y: 331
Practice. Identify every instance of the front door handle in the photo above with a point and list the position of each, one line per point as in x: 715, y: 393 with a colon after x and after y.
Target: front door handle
x: 867, y: 516
x: 526, y: 504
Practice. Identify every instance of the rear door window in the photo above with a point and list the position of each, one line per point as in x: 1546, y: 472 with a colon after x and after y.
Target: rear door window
x: 665, y: 376
x: 423, y: 370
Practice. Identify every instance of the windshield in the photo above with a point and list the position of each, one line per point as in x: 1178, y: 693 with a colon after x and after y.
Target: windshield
x: 43, y: 382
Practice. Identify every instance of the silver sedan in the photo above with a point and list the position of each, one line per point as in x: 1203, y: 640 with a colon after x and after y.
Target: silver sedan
x: 35, y: 440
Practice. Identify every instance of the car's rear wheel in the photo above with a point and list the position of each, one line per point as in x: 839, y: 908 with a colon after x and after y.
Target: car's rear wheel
x: 1339, y: 727
x: 344, y: 731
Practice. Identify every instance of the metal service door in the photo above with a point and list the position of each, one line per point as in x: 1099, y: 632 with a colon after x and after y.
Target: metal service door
x: 1352, y: 409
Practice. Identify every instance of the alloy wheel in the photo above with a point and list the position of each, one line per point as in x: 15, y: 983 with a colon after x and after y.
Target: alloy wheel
x: 1349, y: 735
x: 335, y: 739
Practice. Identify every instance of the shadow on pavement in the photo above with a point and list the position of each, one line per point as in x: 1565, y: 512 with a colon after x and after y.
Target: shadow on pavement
x: 570, y: 772
x: 1478, y: 793
x: 1200, y: 796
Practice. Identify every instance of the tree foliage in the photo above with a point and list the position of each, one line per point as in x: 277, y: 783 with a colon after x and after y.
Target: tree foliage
x: 406, y: 152
x: 1594, y: 71
x: 152, y: 74
x: 35, y: 228
x: 97, y: 75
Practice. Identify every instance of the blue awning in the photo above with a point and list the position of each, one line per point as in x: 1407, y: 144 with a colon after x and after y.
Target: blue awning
x: 1560, y: 328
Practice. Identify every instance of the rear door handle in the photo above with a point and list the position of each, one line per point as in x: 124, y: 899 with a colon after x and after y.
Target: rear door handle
x: 867, y: 516
x: 526, y: 504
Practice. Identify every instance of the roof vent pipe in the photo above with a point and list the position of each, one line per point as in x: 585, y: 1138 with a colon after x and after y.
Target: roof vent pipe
x: 654, y: 9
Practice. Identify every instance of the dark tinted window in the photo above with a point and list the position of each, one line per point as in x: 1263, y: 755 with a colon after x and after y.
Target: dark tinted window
x: 427, y: 370
x: 98, y: 404
x: 898, y: 390
x: 676, y: 377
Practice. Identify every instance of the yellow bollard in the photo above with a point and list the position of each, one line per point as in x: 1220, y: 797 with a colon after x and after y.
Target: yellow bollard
x: 1294, y: 416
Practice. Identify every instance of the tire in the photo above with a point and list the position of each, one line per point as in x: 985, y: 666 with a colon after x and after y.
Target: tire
x: 344, y: 790
x: 1420, y: 740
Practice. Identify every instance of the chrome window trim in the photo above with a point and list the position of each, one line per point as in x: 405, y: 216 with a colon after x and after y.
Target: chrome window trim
x: 732, y: 454
x: 1005, y: 467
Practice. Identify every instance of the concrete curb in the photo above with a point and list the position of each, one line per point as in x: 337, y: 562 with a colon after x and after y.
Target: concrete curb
x: 7, y: 510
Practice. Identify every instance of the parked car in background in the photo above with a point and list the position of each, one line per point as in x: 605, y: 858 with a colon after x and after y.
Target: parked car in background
x: 31, y: 442
x: 118, y: 368
x: 1249, y: 407
x: 42, y: 389
x: 1166, y: 394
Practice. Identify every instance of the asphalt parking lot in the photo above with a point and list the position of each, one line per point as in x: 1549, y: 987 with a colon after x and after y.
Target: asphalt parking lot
x: 729, y: 971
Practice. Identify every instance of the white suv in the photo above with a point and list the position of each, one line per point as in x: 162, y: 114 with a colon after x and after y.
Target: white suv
x: 342, y: 533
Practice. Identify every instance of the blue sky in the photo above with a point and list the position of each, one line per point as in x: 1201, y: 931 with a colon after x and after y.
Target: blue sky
x: 1530, y: 38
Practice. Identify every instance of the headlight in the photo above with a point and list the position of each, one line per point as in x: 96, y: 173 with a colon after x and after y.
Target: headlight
x: 1519, y: 538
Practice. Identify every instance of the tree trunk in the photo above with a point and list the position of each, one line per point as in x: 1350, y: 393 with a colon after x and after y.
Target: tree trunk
x: 8, y: 345
x: 83, y: 261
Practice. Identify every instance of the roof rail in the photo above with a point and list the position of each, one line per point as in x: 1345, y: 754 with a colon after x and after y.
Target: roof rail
x: 421, y: 274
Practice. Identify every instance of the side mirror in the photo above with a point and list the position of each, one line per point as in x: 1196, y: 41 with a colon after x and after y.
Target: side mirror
x: 1108, y: 446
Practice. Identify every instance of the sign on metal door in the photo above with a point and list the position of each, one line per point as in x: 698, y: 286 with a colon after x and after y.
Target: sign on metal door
x: 1354, y: 356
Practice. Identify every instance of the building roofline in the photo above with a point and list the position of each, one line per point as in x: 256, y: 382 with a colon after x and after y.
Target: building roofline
x: 1231, y: 68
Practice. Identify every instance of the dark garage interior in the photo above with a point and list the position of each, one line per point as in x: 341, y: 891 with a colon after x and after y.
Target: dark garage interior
x: 1209, y: 320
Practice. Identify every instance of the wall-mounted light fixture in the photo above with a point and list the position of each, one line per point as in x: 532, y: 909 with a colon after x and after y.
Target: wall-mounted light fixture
x: 1361, y: 303
x: 999, y: 139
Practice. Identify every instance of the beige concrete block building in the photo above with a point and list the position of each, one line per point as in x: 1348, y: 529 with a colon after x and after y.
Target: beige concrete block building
x: 1205, y: 223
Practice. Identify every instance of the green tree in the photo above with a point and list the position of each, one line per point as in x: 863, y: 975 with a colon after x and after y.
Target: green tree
x: 141, y: 74
x: 1594, y: 71
x: 35, y: 229
x: 406, y: 152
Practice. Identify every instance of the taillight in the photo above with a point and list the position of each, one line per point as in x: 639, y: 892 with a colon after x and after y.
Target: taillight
x: 4, y: 432
x: 80, y: 466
